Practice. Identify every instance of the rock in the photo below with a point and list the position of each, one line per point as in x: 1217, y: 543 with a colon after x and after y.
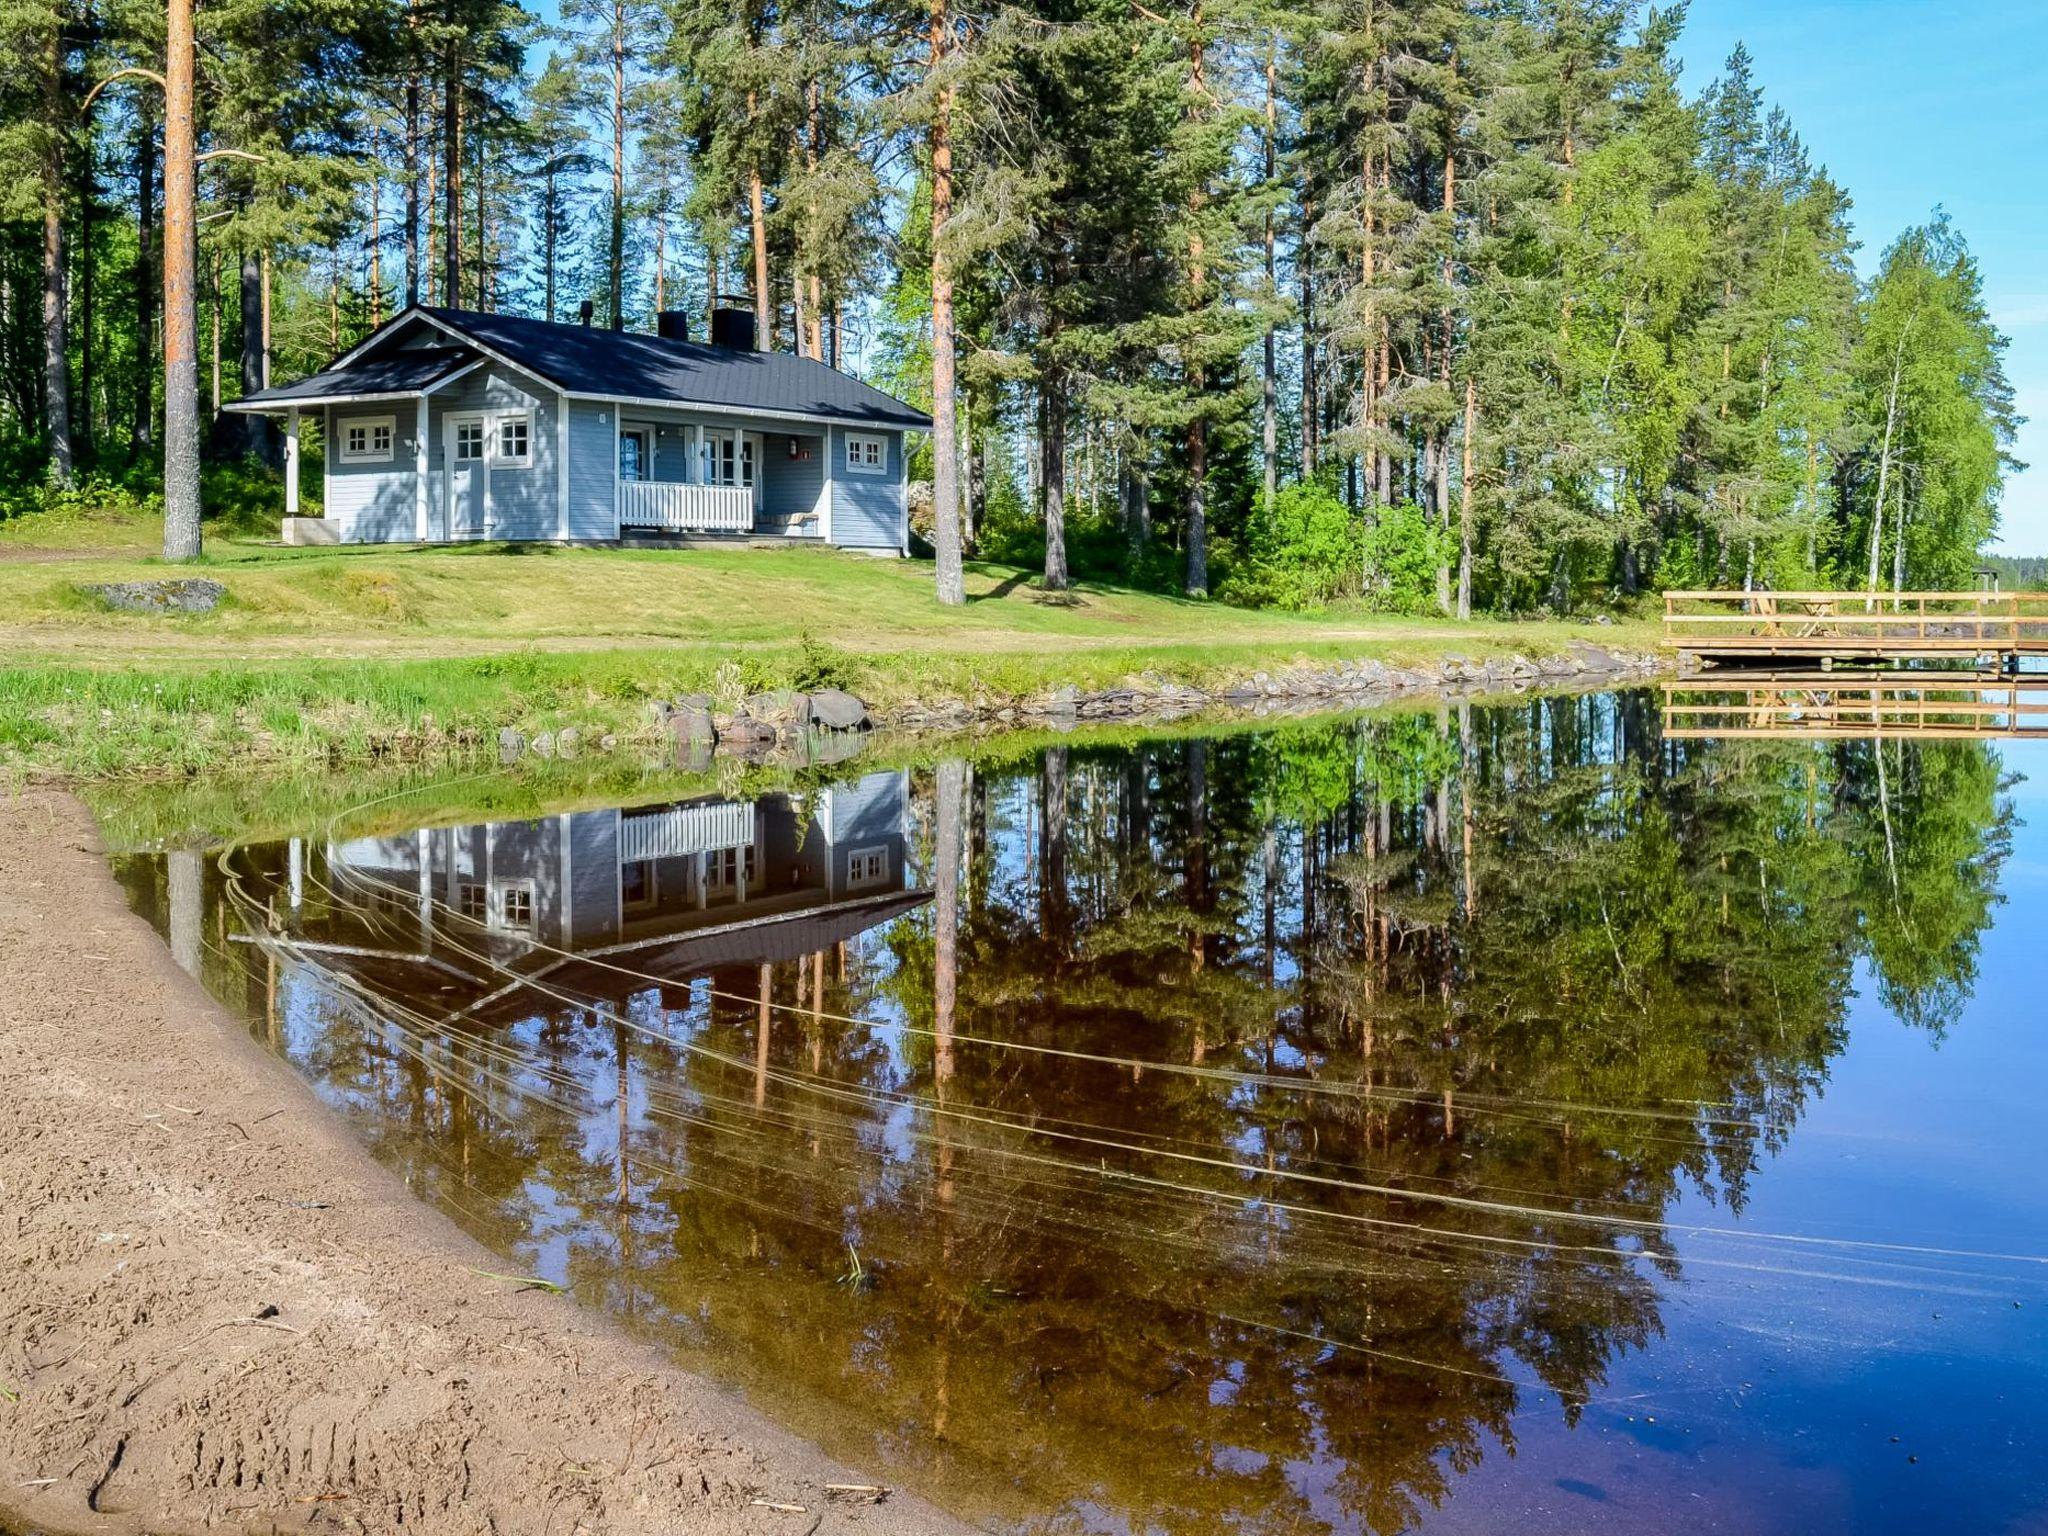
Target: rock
x: 837, y: 710
x: 780, y: 706
x: 567, y: 742
x: 607, y: 742
x: 660, y: 710
x: 544, y: 744
x: 511, y: 743
x: 688, y: 702
x: 692, y: 725
x: 184, y: 594
x: 745, y: 731
x: 1065, y: 699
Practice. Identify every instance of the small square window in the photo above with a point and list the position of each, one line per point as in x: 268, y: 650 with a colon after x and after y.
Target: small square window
x: 473, y: 901
x: 368, y: 440
x: 866, y: 455
x: 514, y: 440
x: 866, y: 867
x: 469, y: 442
x: 515, y: 906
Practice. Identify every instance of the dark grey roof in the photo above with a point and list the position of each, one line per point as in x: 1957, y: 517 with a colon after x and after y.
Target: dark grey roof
x: 633, y: 365
x: 391, y: 373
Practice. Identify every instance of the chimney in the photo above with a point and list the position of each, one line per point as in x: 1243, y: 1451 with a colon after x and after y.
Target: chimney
x: 733, y: 328
x: 672, y: 324
x: 585, y: 310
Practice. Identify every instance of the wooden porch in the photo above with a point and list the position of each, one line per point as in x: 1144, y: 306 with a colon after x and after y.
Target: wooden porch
x: 1751, y: 628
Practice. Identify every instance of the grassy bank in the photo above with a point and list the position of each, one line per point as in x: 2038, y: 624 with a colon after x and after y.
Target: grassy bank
x: 362, y: 655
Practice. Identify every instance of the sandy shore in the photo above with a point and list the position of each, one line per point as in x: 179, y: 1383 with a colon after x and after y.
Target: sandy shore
x: 218, y: 1313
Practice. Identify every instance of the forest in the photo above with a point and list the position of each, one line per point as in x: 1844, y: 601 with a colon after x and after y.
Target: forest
x: 1435, y: 305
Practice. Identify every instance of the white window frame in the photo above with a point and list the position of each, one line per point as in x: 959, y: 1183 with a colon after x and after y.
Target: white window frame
x: 746, y: 457
x: 501, y: 917
x: 866, y: 867
x: 369, y: 426
x: 857, y: 445
x: 496, y: 439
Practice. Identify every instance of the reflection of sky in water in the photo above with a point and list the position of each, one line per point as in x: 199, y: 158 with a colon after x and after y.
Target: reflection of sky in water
x: 1026, y: 1327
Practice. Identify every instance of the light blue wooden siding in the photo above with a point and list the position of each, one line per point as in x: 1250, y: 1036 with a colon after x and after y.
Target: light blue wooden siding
x: 790, y: 487
x: 524, y: 503
x: 371, y: 503
x: 593, y: 877
x: 867, y: 510
x: 593, y: 469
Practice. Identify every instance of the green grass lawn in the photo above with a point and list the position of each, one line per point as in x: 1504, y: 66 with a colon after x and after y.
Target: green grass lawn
x: 360, y: 652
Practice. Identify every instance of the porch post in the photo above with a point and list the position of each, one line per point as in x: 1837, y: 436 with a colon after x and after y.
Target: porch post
x: 419, y: 504
x: 291, y: 462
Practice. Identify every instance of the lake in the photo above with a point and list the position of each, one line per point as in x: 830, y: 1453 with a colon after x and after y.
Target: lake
x: 1472, y: 1119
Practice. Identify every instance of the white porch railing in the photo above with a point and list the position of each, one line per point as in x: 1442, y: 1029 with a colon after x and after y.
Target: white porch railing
x: 678, y: 508
x: 681, y: 829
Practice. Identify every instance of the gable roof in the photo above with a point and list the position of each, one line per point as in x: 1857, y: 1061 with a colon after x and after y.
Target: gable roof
x: 405, y: 372
x: 604, y: 364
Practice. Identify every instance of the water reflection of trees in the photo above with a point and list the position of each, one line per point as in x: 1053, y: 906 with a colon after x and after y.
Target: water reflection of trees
x: 1276, y: 1111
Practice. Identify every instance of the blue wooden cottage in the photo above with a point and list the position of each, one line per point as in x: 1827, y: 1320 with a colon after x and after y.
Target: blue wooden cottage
x: 447, y: 425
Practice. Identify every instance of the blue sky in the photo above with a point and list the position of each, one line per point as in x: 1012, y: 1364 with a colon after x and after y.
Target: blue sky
x: 1910, y: 103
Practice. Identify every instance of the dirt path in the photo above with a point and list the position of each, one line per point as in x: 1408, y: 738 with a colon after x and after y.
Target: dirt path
x: 218, y: 1313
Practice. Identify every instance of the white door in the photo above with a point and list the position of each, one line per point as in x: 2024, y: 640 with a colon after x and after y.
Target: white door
x: 466, y: 448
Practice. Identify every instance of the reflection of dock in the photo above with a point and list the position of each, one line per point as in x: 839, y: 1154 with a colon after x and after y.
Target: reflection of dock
x: 1737, y: 628
x: 1865, y: 706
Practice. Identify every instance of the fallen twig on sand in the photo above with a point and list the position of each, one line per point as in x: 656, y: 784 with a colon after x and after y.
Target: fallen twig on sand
x: 524, y: 1282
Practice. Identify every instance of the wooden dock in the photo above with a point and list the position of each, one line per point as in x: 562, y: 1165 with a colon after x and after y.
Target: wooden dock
x: 1774, y: 628
x: 1924, y: 704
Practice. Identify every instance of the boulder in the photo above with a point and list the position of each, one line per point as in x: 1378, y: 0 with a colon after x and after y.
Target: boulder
x: 745, y: 731
x: 692, y: 725
x: 511, y: 743
x: 837, y: 710
x: 184, y: 594
x: 544, y: 744
x: 780, y: 706
x: 568, y: 741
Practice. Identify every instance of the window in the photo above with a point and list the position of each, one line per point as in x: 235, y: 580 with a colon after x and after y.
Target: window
x: 727, y: 868
x: 634, y: 459
x: 637, y: 884
x: 866, y: 867
x: 469, y: 442
x: 728, y: 458
x: 473, y: 901
x: 515, y: 907
x: 368, y: 440
x: 867, y: 455
x: 515, y: 442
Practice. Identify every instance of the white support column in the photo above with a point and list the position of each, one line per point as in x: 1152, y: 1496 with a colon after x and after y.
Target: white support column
x: 562, y: 467
x: 828, y: 448
x: 291, y: 462
x: 421, y: 525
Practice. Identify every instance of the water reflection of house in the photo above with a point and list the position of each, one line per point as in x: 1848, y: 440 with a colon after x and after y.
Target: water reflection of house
x: 593, y: 903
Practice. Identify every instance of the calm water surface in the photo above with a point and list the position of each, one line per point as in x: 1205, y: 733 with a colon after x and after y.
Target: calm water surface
x: 1498, y: 1120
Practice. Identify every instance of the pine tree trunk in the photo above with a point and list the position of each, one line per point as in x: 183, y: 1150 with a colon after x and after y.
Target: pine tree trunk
x: 376, y: 230
x: 451, y: 180
x: 142, y: 422
x: 412, y: 157
x: 1196, y: 580
x: 1310, y: 412
x: 256, y: 430
x: 945, y: 426
x: 1465, y: 500
x: 616, y: 252
x: 1052, y: 447
x: 181, y: 321
x: 56, y: 319
x: 1269, y: 378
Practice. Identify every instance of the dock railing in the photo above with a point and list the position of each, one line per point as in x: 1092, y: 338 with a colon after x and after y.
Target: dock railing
x: 1855, y: 624
x: 1922, y: 704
